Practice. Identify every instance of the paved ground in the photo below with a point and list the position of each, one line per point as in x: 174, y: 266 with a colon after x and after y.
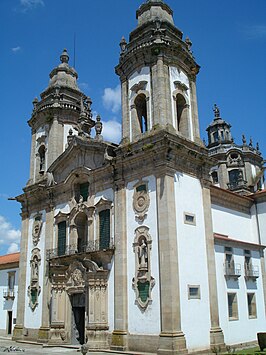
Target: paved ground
x: 33, y: 349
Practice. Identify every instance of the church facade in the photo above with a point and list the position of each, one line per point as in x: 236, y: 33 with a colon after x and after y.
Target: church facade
x: 155, y: 244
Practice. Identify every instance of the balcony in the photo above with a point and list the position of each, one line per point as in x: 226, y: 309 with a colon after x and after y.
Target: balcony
x: 251, y: 272
x: 9, y: 294
x: 89, y: 247
x: 232, y: 270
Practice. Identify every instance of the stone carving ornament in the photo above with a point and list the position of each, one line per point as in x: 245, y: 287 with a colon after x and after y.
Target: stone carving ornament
x: 36, y: 230
x: 141, y: 200
x: 34, y: 288
x: 143, y: 282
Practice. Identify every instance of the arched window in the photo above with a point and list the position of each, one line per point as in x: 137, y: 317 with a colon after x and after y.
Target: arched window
x: 41, y: 152
x: 104, y: 232
x: 182, y: 115
x: 141, y: 107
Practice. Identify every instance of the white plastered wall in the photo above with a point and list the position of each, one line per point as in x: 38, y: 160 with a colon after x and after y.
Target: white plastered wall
x: 7, y: 305
x: 147, y: 322
x: 33, y: 319
x: 243, y: 329
x: 192, y: 260
x: 234, y: 224
x: 178, y: 75
x: 135, y: 78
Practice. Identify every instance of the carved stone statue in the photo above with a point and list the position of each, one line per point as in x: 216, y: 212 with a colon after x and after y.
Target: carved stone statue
x: 36, y: 230
x: 142, y: 253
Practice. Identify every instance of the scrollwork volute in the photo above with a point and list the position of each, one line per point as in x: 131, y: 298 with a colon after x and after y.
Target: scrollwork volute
x: 143, y: 282
x: 141, y: 200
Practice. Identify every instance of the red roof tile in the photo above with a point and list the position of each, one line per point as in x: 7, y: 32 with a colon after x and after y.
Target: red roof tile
x: 9, y: 258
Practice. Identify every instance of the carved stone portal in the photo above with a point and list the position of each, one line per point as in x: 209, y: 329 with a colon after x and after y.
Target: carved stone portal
x: 141, y: 200
x: 143, y: 282
x: 34, y: 289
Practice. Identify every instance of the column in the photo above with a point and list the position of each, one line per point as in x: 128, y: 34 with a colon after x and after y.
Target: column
x: 172, y: 340
x: 119, y: 336
x: 216, y: 333
x: 18, y: 330
x: 43, y: 334
x: 32, y: 155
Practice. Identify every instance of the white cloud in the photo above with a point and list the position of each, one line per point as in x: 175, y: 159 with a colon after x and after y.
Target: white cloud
x: 13, y: 248
x: 255, y: 31
x: 16, y: 49
x: 31, y: 4
x: 112, y: 131
x: 112, y: 99
x: 9, y: 236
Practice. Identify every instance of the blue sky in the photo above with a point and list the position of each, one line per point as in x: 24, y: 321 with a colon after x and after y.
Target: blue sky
x: 229, y: 43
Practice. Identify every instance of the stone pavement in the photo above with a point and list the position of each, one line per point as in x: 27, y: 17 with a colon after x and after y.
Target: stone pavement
x: 36, y: 349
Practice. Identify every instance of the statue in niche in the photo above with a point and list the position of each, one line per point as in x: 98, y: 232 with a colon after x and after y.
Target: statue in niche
x: 142, y: 282
x: 143, y: 255
x: 36, y: 230
x: 35, y: 268
x: 34, y: 289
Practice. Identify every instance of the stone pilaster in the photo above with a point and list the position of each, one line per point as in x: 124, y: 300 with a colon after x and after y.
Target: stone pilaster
x: 263, y: 275
x: 22, y: 283
x: 194, y: 111
x: 119, y: 335
x: 161, y: 97
x: 172, y: 340
x: 32, y: 155
x: 216, y: 333
x: 43, y: 334
x: 55, y: 141
x: 125, y: 110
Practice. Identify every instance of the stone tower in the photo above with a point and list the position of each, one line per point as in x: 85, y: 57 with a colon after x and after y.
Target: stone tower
x: 62, y: 110
x: 158, y: 75
x: 239, y: 167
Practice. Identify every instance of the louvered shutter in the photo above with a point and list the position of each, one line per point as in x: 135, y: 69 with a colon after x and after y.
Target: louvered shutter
x: 104, y: 217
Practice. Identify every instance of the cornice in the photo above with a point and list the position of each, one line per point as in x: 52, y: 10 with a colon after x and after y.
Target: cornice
x: 225, y: 240
x: 231, y: 200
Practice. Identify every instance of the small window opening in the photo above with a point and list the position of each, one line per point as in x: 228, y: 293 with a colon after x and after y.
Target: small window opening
x: 84, y: 191
x: 215, y: 136
x: 214, y: 176
x: 141, y: 188
x: 181, y: 120
x: 252, y: 311
x: 141, y: 107
x: 42, y: 158
x: 193, y: 292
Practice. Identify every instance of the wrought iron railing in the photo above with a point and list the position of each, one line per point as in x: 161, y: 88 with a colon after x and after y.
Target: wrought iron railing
x: 89, y: 247
x: 232, y: 270
x: 9, y: 294
x: 251, y: 271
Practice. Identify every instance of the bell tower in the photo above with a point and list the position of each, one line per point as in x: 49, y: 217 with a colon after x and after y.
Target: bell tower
x: 63, y: 110
x: 158, y: 76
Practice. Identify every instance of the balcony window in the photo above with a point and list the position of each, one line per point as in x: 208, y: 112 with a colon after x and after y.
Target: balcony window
x: 104, y: 224
x: 61, y: 242
x: 232, y: 306
x: 252, y: 310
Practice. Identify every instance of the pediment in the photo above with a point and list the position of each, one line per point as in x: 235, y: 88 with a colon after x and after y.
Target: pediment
x: 88, y: 155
